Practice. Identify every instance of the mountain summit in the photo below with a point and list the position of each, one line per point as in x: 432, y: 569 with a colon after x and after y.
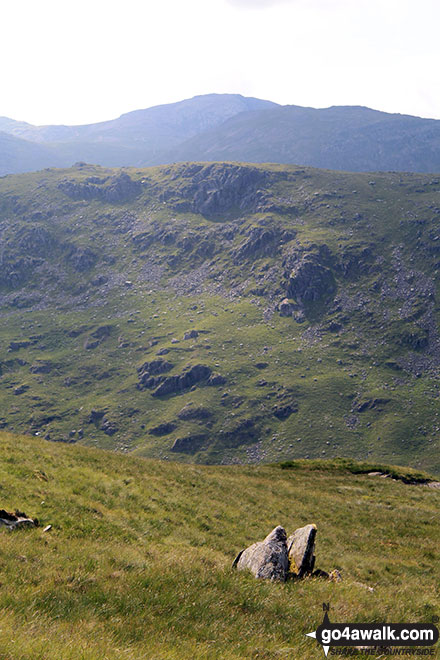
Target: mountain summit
x: 218, y: 127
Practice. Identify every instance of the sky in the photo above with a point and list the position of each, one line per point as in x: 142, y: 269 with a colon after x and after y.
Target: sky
x: 79, y: 62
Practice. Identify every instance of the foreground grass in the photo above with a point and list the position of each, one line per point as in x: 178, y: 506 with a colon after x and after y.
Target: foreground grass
x: 137, y: 563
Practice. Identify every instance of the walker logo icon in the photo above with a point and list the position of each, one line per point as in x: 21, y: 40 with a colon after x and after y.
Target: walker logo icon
x: 377, y: 635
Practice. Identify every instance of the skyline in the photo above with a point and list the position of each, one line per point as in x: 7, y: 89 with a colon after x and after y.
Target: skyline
x: 102, y: 60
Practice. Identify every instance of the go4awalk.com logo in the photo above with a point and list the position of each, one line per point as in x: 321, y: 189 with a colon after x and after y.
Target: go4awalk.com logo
x: 374, y: 639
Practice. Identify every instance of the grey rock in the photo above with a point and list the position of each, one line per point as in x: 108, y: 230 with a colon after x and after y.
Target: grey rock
x: 301, y: 550
x: 194, y: 412
x: 191, y: 376
x: 163, y: 429
x: 151, y: 373
x: 41, y: 367
x: 285, y: 308
x: 284, y: 411
x: 21, y: 389
x: 95, y: 416
x: 190, y: 444
x: 310, y: 277
x: 266, y: 559
x: 191, y: 334
x: 216, y: 379
x: 109, y: 427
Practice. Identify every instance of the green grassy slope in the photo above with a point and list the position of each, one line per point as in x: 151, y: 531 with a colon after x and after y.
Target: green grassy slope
x: 102, y: 272
x: 138, y: 561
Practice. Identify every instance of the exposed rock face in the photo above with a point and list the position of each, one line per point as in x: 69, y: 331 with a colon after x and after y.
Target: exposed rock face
x: 310, y: 281
x: 191, y: 376
x: 16, y: 520
x: 81, y: 259
x: 191, y: 444
x: 41, y: 367
x: 96, y: 416
x: 109, y: 427
x: 221, y: 189
x: 310, y: 277
x: 216, y: 379
x: 119, y: 188
x: 301, y: 550
x: 189, y: 412
x: 261, y: 241
x: 286, y: 308
x: 150, y: 373
x: 163, y: 429
x: 191, y: 334
x: 284, y: 411
x: 267, y: 559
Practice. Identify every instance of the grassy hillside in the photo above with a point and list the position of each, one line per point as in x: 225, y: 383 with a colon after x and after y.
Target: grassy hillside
x: 104, y: 274
x: 340, y: 138
x: 138, y: 561
x: 141, y: 310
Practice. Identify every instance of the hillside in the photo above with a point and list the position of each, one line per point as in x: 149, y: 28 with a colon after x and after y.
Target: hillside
x: 137, y: 563
x: 218, y: 127
x: 354, y: 138
x: 135, y: 138
x: 223, y: 313
x: 18, y: 155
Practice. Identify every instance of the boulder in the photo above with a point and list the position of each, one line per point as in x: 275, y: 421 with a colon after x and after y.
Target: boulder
x: 191, y: 334
x: 301, y: 551
x: 266, y: 559
x: 285, y: 308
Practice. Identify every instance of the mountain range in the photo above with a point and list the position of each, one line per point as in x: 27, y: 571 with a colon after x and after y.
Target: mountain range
x: 230, y: 127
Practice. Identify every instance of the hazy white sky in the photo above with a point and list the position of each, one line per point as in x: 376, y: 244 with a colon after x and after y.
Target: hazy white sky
x: 91, y: 60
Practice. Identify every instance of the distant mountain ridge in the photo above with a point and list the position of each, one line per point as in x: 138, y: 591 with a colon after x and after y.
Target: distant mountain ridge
x: 218, y: 127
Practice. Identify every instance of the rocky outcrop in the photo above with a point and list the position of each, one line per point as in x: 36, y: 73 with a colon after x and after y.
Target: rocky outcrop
x: 109, y: 427
x: 310, y: 279
x: 163, y: 429
x: 266, y: 559
x: 190, y: 377
x: 216, y: 379
x: 190, y: 444
x: 190, y: 412
x: 191, y: 334
x: 81, y: 259
x: 149, y: 373
x: 262, y: 241
x: 284, y: 411
x: 219, y: 190
x: 286, y: 308
x: 119, y: 188
x: 42, y: 367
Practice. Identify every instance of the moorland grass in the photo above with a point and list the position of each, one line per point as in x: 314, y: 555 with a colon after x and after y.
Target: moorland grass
x: 137, y: 564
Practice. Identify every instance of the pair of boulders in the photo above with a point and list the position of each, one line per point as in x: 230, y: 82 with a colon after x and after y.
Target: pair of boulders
x: 16, y: 520
x: 279, y: 557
